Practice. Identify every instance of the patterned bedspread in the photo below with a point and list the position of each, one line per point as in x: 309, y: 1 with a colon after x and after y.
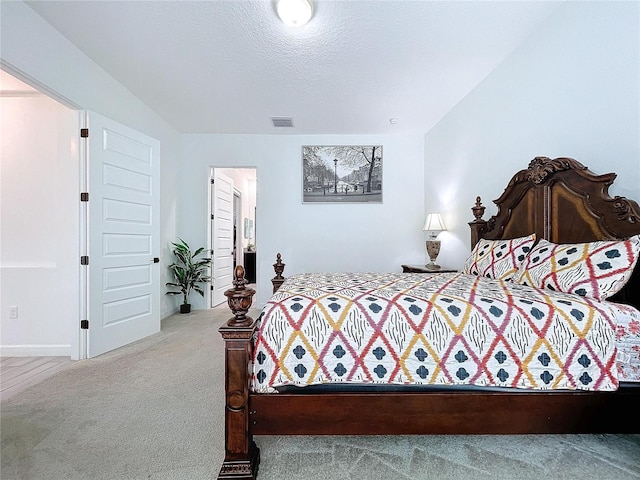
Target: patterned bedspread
x: 432, y: 329
x: 628, y: 343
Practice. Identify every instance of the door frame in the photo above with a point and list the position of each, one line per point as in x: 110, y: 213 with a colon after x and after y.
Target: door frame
x: 236, y: 193
x: 237, y: 210
x: 210, y: 175
x: 75, y: 333
x: 208, y: 291
x: 78, y: 337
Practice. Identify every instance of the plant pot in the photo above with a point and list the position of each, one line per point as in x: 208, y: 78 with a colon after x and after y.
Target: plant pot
x: 185, y: 307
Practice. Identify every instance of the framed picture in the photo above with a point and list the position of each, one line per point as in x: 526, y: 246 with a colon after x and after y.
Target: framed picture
x: 342, y: 174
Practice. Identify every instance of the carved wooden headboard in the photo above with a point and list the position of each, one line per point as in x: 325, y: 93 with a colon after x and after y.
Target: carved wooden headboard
x: 562, y: 201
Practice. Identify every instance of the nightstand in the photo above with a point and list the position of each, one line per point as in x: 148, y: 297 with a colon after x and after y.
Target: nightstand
x: 424, y: 269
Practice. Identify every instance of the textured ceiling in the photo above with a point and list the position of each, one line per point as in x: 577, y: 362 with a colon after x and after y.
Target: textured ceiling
x: 227, y: 66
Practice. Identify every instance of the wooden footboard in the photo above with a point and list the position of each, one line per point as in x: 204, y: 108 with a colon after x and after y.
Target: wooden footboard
x: 242, y: 456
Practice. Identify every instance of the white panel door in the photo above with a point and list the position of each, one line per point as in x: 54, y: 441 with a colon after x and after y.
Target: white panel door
x: 222, y: 264
x: 123, y: 235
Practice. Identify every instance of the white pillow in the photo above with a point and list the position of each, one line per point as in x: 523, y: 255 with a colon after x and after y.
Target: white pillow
x: 499, y: 259
x: 597, y: 269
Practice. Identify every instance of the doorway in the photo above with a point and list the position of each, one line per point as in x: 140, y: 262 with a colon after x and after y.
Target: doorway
x: 63, y: 319
x: 232, y: 217
x: 39, y: 181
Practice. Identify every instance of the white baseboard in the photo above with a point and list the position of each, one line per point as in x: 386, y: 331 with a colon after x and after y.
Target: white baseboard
x: 35, y: 350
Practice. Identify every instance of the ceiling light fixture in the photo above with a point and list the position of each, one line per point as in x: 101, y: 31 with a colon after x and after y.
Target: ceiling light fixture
x: 294, y: 13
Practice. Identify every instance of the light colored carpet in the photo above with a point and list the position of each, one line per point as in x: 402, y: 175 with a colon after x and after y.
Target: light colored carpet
x: 154, y: 410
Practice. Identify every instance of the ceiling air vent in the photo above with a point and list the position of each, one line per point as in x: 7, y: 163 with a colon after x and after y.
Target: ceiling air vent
x: 282, y: 121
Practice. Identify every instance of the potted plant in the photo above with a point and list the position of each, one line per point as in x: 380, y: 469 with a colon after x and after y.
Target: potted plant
x: 188, y: 272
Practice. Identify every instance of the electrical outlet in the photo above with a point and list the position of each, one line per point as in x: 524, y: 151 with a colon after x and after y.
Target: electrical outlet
x: 13, y: 312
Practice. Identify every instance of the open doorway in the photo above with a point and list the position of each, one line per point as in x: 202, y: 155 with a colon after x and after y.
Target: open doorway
x: 232, y: 217
x: 39, y: 180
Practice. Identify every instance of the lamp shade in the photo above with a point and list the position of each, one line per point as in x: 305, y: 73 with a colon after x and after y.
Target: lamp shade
x: 294, y: 13
x: 434, y: 223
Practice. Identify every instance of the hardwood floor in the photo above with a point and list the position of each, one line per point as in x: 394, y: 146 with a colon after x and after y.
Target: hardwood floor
x: 19, y: 373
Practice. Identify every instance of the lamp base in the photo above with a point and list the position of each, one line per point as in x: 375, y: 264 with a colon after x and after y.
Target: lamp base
x: 433, y: 249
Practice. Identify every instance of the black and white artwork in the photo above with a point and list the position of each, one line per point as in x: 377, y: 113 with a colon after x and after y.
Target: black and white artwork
x: 342, y: 174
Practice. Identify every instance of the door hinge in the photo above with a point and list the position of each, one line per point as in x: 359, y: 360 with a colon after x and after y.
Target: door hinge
x: 212, y: 288
x: 84, y: 197
x: 213, y: 181
x: 84, y: 132
x: 84, y: 260
x: 212, y: 216
x: 84, y: 324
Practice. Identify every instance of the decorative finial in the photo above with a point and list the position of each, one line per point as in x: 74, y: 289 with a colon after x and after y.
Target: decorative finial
x: 239, y: 281
x: 478, y: 209
x: 279, y: 267
x: 240, y: 298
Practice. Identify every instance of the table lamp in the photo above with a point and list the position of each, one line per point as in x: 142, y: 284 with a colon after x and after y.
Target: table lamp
x: 434, y: 226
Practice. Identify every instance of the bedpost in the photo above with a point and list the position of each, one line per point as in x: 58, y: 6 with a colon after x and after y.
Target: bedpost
x: 242, y: 456
x: 279, y: 268
x: 478, y: 226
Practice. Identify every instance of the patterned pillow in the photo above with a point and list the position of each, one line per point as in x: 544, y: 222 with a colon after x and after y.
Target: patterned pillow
x: 499, y: 259
x: 596, y: 270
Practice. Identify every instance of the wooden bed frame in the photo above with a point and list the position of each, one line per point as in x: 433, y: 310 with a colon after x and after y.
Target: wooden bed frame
x: 558, y: 199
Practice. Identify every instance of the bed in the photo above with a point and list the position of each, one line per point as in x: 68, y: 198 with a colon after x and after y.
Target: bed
x: 558, y: 201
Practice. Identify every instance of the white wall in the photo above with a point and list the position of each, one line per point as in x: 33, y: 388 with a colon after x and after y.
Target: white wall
x: 37, y: 54
x: 572, y: 89
x: 313, y: 237
x: 39, y: 260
